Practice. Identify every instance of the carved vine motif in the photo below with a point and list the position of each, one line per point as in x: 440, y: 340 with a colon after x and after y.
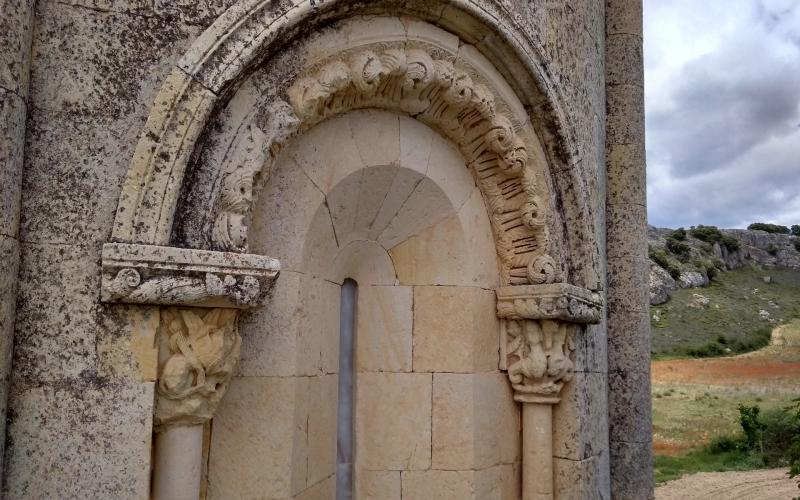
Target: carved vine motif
x: 439, y: 93
x: 539, y: 358
x: 201, y: 351
x: 128, y: 286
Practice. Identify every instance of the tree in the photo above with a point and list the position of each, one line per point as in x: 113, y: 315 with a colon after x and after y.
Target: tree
x: 796, y: 230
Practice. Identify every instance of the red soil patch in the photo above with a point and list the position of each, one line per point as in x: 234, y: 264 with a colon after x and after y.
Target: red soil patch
x: 739, y: 370
x: 669, y: 448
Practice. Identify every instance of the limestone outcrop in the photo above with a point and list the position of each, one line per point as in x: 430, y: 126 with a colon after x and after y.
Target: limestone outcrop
x: 696, y: 265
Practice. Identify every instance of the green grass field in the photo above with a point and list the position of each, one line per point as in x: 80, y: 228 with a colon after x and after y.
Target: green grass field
x: 731, y: 319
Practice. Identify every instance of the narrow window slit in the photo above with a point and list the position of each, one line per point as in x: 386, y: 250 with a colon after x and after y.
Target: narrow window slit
x: 345, y: 422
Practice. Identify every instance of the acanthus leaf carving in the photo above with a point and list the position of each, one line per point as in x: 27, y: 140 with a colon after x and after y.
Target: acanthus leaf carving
x: 538, y: 324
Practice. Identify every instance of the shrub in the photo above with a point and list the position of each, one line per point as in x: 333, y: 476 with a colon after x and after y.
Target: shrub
x: 660, y: 257
x: 752, y: 427
x: 678, y: 248
x: 772, y: 249
x: 725, y: 444
x: 795, y: 230
x: 796, y: 244
x: 770, y: 228
x: 780, y: 429
x: 709, y: 234
x: 680, y: 234
x: 731, y: 243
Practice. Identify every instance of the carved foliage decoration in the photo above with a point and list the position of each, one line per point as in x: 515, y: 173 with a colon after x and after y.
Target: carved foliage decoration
x: 538, y: 324
x: 539, y: 358
x: 200, y: 349
x: 246, y: 165
x: 446, y: 97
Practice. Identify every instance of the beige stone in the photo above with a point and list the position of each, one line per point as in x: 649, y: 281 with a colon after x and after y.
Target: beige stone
x: 327, y: 153
x: 435, y: 255
x: 377, y: 136
x: 455, y: 330
x: 364, y: 261
x: 323, y: 490
x: 258, y: 440
x: 383, y: 332
x: 320, y: 399
x: 296, y: 332
x: 393, y: 419
x: 378, y: 485
x: 416, y: 142
x: 487, y: 484
x: 475, y: 421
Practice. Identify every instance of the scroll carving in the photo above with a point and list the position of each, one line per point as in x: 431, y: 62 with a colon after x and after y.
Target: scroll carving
x: 200, y: 349
x: 146, y: 274
x: 128, y: 286
x: 446, y: 97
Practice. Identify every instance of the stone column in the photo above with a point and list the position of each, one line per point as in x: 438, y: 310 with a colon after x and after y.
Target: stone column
x: 198, y: 352
x: 16, y: 27
x: 537, y: 328
x: 630, y: 427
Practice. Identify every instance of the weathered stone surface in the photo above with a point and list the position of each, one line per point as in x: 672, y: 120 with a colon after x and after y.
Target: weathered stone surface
x: 394, y: 410
x: 16, y: 28
x: 66, y: 440
x: 12, y: 138
x: 580, y: 421
x: 579, y: 479
x: 435, y: 255
x: 629, y: 402
x: 631, y: 351
x: 475, y: 421
x: 57, y: 322
x: 378, y: 485
x: 295, y: 332
x: 262, y: 417
x: 455, y: 330
x: 632, y: 470
x: 495, y: 483
x: 385, y: 319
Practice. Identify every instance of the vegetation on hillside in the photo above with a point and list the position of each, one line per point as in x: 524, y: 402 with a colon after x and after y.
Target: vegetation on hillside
x: 770, y: 228
x: 734, y: 314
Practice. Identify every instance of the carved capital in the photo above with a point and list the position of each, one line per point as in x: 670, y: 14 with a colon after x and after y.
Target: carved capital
x: 538, y: 324
x: 198, y: 351
x: 147, y: 274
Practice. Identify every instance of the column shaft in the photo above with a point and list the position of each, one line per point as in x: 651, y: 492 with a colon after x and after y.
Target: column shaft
x: 178, y: 464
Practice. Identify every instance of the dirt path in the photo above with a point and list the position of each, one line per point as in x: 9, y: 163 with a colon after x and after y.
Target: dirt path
x: 750, y: 485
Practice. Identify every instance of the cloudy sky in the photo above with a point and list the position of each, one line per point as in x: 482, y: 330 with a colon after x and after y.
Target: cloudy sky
x: 723, y: 111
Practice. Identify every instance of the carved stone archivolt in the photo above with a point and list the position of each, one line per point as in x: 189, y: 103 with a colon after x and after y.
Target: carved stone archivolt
x: 199, y: 351
x: 438, y: 92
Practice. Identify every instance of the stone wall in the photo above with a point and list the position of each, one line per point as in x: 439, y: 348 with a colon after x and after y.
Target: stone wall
x: 16, y: 25
x: 82, y: 391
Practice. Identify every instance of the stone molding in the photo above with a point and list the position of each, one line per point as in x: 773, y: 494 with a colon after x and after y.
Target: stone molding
x: 537, y: 329
x: 228, y: 50
x: 199, y: 352
x: 436, y: 91
x: 147, y: 274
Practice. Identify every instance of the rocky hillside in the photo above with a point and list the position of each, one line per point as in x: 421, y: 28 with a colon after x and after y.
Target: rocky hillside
x: 685, y: 259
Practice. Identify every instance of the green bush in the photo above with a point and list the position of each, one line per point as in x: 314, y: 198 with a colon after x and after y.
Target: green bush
x: 796, y: 244
x: 680, y: 234
x: 709, y: 234
x: 731, y: 243
x: 770, y: 228
x: 795, y: 230
x: 678, y: 248
x: 660, y: 257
